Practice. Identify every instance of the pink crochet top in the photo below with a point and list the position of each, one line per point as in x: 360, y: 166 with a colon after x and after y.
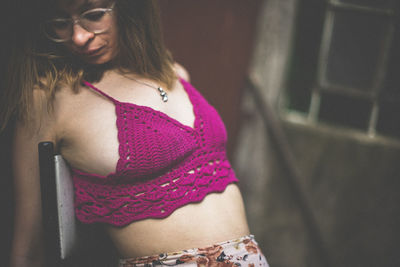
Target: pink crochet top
x: 163, y: 164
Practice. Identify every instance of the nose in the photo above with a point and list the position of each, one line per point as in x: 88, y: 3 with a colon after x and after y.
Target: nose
x: 80, y: 36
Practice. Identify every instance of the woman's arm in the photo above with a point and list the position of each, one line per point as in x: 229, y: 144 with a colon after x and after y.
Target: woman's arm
x: 27, y: 246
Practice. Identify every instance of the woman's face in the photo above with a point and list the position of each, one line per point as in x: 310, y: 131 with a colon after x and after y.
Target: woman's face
x: 90, y: 46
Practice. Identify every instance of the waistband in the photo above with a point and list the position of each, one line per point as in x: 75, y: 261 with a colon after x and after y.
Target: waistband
x: 231, y: 251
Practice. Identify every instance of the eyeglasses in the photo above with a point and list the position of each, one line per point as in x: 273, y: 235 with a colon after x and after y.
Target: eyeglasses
x: 96, y: 20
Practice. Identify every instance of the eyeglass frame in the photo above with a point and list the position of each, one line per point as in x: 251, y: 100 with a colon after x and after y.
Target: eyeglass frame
x: 77, y: 21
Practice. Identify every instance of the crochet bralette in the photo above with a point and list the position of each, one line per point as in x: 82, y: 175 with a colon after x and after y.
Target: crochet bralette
x: 163, y: 164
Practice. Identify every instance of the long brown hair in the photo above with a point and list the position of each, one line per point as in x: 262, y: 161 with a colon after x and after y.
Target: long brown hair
x: 33, y: 61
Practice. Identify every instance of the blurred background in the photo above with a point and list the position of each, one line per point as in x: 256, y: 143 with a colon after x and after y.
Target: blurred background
x: 309, y: 92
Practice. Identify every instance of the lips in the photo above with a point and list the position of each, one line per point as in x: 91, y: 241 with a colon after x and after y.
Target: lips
x: 91, y: 52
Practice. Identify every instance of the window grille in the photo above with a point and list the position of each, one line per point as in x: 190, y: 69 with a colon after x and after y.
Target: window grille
x: 345, y: 65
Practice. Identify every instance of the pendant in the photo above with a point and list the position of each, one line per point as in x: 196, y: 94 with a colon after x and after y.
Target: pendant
x: 163, y: 94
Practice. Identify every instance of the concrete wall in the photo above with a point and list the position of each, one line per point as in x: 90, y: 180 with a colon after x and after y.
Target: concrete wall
x: 316, y: 195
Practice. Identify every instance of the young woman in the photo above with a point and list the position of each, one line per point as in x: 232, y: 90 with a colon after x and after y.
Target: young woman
x: 147, y: 152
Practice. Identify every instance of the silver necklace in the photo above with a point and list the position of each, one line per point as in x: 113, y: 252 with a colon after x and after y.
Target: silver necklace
x: 163, y: 94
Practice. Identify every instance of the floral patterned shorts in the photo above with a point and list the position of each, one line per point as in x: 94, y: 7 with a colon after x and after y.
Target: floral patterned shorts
x: 241, y: 252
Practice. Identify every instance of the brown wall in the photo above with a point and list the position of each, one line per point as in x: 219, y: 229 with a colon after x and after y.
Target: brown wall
x: 213, y: 40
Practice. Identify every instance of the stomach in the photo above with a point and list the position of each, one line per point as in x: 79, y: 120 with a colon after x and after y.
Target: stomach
x: 218, y: 217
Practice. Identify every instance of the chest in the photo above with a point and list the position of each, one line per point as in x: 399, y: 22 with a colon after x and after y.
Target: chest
x: 136, y: 139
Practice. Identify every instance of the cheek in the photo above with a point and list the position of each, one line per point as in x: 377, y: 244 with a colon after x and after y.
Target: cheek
x: 115, y: 33
x: 114, y: 40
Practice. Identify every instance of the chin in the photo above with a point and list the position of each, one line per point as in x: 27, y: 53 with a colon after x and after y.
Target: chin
x: 99, y: 60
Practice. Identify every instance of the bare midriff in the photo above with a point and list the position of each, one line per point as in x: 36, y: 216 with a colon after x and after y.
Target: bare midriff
x: 219, y: 217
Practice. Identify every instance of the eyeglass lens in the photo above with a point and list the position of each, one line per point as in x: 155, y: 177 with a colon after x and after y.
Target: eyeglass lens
x: 95, y: 21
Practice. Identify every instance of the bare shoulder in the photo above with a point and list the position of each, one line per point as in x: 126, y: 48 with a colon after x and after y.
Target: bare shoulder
x: 181, y: 72
x: 36, y: 126
x: 40, y: 118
